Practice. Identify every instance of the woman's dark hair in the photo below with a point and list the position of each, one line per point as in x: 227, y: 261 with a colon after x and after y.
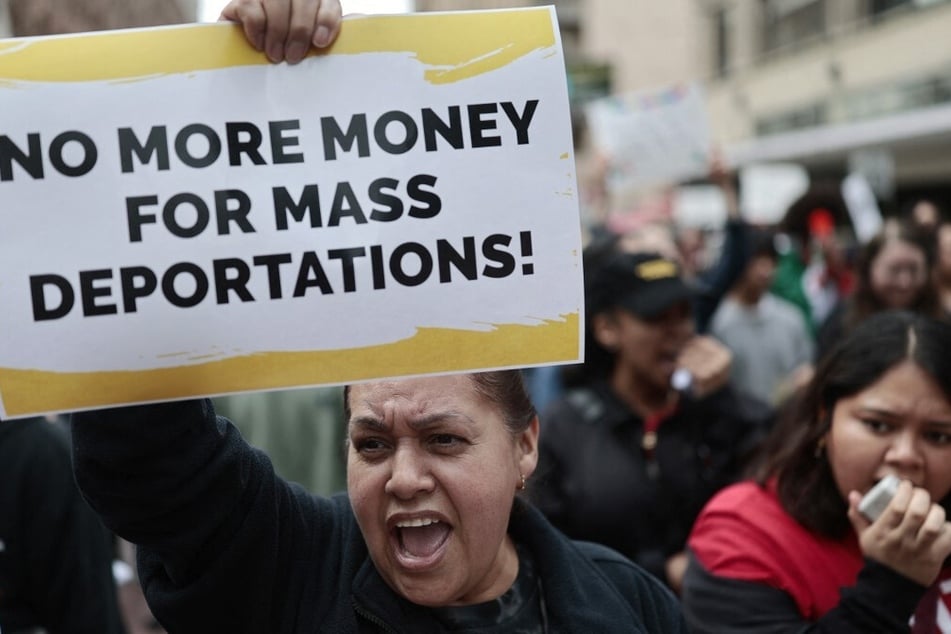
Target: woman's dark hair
x: 864, y: 302
x: 793, y: 455
x: 504, y: 388
x: 824, y: 195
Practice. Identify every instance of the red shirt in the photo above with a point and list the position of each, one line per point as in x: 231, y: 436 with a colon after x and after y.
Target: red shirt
x: 745, y: 534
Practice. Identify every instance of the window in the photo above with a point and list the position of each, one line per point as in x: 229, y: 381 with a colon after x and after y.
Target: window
x: 884, y: 6
x: 807, y: 117
x: 790, y: 22
x: 883, y: 9
x: 722, y: 41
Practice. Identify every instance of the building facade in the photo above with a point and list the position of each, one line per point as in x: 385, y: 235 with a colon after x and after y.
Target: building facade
x: 836, y: 85
x: 45, y: 17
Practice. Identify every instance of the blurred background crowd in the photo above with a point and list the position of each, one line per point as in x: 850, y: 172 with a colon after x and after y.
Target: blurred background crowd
x: 792, y: 158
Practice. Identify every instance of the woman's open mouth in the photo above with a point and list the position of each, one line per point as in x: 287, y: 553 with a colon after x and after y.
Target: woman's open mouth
x: 420, y: 542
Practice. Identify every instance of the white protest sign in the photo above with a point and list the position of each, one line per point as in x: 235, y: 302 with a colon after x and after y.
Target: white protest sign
x: 179, y: 217
x: 862, y: 206
x: 767, y: 190
x: 652, y: 137
x: 700, y: 206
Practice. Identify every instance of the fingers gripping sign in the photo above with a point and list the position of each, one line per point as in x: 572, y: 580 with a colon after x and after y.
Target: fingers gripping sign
x: 912, y: 536
x: 286, y: 29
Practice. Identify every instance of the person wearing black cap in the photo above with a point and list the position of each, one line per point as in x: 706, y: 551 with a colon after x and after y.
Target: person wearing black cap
x: 650, y: 429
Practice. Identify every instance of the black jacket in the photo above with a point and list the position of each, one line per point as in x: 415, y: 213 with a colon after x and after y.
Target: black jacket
x: 596, y: 483
x: 226, y: 546
x: 55, y: 554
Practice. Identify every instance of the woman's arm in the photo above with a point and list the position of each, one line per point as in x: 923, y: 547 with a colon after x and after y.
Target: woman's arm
x: 880, y: 601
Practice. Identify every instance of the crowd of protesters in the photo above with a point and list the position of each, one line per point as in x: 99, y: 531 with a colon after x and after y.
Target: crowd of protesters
x: 701, y: 471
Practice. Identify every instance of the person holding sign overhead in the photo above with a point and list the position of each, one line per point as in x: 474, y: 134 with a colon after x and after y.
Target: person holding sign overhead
x: 430, y: 536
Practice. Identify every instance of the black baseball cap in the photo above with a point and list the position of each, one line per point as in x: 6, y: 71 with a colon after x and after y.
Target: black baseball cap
x: 647, y: 284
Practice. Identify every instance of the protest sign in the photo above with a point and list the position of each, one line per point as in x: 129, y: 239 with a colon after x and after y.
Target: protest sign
x: 860, y: 202
x: 178, y: 217
x: 652, y: 138
x: 768, y: 189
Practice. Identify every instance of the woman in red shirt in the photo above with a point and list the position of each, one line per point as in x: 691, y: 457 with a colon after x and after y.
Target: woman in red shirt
x: 789, y: 551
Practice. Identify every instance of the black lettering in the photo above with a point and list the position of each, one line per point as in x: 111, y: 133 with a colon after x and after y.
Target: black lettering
x: 184, y: 154
x: 155, y: 145
x: 411, y: 133
x: 356, y: 132
x: 309, y: 203
x: 464, y: 262
x: 379, y: 194
x: 41, y: 310
x: 346, y: 257
x: 238, y: 215
x: 520, y: 121
x: 311, y: 273
x: 170, y: 217
x: 451, y: 132
x: 89, y: 292
x: 345, y: 204
x: 525, y: 237
x: 398, y: 271
x: 32, y: 162
x: 249, y: 145
x: 478, y: 125
x: 185, y: 268
x: 376, y: 267
x: 493, y: 253
x: 135, y: 218
x: 415, y: 190
x: 90, y: 153
x: 237, y: 283
x: 132, y: 291
x: 273, y: 264
x: 279, y: 142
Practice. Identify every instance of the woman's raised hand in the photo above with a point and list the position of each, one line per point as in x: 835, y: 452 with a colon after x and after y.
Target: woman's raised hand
x: 286, y: 29
x: 912, y: 536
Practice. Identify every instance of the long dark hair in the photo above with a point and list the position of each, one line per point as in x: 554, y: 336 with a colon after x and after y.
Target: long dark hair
x: 864, y: 302
x: 805, y: 484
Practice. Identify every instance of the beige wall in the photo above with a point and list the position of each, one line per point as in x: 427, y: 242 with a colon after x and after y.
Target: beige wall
x: 6, y: 29
x: 648, y: 42
x: 857, y: 56
x: 42, y: 17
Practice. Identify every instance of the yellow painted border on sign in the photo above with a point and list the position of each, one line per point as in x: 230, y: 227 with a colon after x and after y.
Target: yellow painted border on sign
x: 430, y: 351
x: 453, y: 46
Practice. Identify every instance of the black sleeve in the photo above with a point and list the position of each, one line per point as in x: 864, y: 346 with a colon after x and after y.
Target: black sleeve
x: 152, y: 470
x: 715, y: 282
x: 66, y: 551
x: 654, y: 602
x: 219, y: 534
x: 881, y: 601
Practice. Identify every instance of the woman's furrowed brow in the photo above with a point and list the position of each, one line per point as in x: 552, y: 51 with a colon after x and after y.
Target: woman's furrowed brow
x: 435, y: 419
x: 426, y: 421
x: 368, y: 422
